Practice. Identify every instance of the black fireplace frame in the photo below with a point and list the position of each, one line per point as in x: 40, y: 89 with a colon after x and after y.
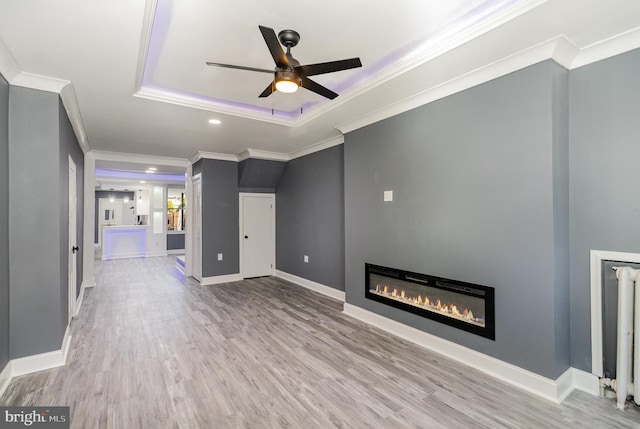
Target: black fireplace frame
x: 470, y: 289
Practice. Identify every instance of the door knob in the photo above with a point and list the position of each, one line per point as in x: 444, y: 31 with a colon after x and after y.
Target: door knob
x: 246, y: 236
x: 74, y: 249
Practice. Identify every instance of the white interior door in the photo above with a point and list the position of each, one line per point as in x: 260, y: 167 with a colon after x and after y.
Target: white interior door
x: 196, y: 237
x: 73, y: 245
x: 257, y: 234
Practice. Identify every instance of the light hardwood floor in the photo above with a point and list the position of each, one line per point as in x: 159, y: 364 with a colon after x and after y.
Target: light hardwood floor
x: 152, y: 349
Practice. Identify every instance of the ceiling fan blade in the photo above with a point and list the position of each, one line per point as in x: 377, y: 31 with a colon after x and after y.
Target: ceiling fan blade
x: 231, y: 66
x: 274, y: 46
x: 329, y: 67
x: 317, y: 88
x: 267, y: 91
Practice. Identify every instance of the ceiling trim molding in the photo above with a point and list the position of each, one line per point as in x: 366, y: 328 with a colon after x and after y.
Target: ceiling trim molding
x: 145, y: 41
x: 262, y: 154
x: 64, y: 89
x: 9, y: 69
x: 137, y: 158
x: 39, y: 82
x: 70, y: 103
x: 212, y: 106
x: 326, y: 144
x: 616, y: 45
x: 559, y: 49
x: 212, y: 155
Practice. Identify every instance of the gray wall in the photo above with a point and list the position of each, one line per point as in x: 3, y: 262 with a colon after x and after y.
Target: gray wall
x: 310, y: 218
x: 604, y: 172
x: 40, y: 140
x: 175, y: 241
x: 220, y: 211
x: 4, y: 223
x: 478, y: 185
x: 259, y: 175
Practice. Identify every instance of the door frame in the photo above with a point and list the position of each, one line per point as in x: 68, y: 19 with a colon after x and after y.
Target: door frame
x: 272, y: 197
x: 195, y: 229
x: 72, y: 265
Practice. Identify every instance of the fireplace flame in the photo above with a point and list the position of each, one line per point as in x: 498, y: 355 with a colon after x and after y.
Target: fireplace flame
x: 448, y: 309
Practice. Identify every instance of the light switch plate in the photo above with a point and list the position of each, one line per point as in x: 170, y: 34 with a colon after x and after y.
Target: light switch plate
x: 306, y: 258
x: 219, y: 256
x: 388, y: 195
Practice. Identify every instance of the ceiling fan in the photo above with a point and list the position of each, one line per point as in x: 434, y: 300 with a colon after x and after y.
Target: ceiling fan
x: 289, y: 75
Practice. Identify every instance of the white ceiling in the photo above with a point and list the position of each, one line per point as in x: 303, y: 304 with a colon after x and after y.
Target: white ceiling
x: 139, y: 75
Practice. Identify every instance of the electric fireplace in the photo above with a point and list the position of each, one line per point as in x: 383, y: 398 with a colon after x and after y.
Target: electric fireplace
x: 459, y: 304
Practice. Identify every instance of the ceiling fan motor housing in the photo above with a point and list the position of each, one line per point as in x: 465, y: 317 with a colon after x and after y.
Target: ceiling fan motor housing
x: 289, y: 38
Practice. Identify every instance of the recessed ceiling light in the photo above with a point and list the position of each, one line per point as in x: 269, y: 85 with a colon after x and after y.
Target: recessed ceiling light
x: 150, y: 171
x: 215, y: 121
x: 143, y: 181
x: 152, y: 168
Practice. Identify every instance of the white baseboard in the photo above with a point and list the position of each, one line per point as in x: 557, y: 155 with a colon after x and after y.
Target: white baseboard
x: 78, y: 303
x: 5, y: 378
x: 89, y: 283
x: 42, y: 361
x: 156, y: 253
x: 35, y: 363
x: 585, y: 381
x: 175, y: 252
x: 206, y: 281
x: 316, y: 287
x: 552, y: 390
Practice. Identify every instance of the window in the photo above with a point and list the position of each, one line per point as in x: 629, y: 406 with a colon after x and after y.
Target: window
x: 176, y: 210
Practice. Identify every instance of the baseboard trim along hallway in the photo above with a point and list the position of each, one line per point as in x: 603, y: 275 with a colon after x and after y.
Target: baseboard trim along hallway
x: 316, y: 287
x: 553, y: 390
x: 35, y: 363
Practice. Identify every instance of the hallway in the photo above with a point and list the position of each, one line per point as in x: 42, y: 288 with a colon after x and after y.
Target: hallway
x: 151, y: 349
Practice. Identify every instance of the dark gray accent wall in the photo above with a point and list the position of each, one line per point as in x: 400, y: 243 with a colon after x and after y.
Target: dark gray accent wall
x: 220, y: 211
x: 310, y: 217
x: 4, y: 223
x: 478, y: 184
x: 604, y: 153
x: 34, y: 236
x: 175, y: 241
x: 560, y: 160
x: 40, y: 140
x: 259, y: 175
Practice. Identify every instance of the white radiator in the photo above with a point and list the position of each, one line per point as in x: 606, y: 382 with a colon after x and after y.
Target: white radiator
x: 628, y: 358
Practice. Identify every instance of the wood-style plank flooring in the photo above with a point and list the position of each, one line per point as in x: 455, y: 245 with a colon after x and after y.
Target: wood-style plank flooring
x: 152, y: 349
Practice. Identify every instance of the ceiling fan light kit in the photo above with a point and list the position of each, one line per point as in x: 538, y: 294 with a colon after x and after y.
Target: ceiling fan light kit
x: 288, y: 74
x: 287, y: 81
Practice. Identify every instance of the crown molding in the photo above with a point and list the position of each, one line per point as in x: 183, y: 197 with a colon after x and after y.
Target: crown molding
x: 137, y: 158
x: 262, y: 154
x: 145, y: 41
x: 212, y: 155
x: 8, y: 67
x: 326, y: 144
x: 39, y: 82
x: 70, y: 103
x: 616, y: 45
x: 184, y: 100
x: 11, y: 72
x: 559, y: 49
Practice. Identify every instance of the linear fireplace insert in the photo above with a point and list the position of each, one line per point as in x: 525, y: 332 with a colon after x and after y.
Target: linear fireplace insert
x: 466, y: 306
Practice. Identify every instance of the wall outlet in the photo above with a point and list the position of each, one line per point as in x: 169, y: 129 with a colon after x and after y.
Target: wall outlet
x: 219, y: 256
x: 388, y: 196
x: 306, y: 258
